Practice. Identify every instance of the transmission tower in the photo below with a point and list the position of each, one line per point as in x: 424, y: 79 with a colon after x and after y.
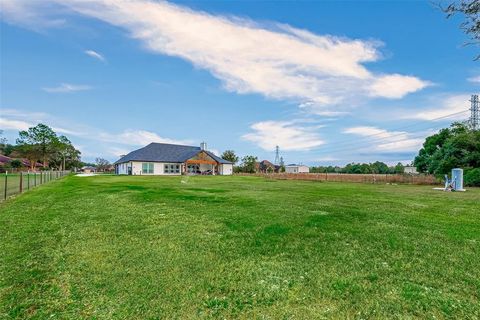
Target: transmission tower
x: 277, y: 155
x: 474, y: 113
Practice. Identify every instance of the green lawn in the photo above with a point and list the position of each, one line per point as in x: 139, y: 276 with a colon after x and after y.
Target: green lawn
x: 131, y: 247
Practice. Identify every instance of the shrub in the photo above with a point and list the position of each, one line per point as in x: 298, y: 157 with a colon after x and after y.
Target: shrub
x: 472, y: 178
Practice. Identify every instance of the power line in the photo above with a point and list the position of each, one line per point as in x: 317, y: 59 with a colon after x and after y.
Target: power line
x: 347, y: 143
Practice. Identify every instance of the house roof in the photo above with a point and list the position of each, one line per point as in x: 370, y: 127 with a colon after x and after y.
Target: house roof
x: 4, y: 160
x: 164, y: 152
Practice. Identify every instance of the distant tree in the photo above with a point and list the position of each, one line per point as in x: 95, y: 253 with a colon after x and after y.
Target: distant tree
x: 38, y: 142
x: 399, y: 168
x: 470, y: 9
x: 102, y: 164
x: 249, y: 163
x: 457, y: 146
x: 379, y: 167
x: 66, y: 156
x: 230, y: 155
x: 16, y: 164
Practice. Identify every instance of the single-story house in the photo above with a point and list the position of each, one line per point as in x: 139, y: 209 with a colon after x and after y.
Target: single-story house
x: 26, y: 165
x: 266, y: 166
x: 172, y: 159
x: 88, y: 169
x: 297, y: 168
x: 410, y: 170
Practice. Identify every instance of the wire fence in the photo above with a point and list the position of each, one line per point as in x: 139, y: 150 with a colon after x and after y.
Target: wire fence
x: 18, y: 182
x: 425, y: 179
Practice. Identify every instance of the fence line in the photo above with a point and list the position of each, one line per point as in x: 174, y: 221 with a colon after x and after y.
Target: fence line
x: 18, y: 182
x: 352, y: 177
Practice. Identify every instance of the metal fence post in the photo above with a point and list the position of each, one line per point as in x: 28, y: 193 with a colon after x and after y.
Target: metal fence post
x: 28, y: 180
x: 5, y: 193
x: 21, y: 182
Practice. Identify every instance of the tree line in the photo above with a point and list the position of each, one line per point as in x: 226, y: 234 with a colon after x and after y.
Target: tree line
x: 42, y: 144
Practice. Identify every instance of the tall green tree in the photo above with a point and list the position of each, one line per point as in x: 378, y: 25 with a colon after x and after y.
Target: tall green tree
x: 230, y: 155
x: 249, y: 164
x: 39, y: 141
x: 65, y: 155
x: 457, y: 146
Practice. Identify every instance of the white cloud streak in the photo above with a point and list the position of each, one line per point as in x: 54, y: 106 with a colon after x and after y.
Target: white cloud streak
x: 67, y: 88
x: 457, y: 105
x: 387, y: 141
x: 95, y: 55
x: 289, y: 135
x: 475, y: 79
x: 277, y: 61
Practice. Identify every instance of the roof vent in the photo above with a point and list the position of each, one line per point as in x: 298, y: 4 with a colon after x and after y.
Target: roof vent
x: 203, y: 146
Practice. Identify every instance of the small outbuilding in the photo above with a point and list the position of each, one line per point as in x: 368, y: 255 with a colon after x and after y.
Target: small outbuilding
x: 297, y: 168
x: 410, y: 170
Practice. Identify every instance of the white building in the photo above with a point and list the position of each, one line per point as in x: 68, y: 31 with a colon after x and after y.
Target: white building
x: 410, y: 170
x: 297, y: 168
x: 172, y: 159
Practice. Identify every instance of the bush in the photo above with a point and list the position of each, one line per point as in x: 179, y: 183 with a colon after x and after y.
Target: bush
x: 472, y: 178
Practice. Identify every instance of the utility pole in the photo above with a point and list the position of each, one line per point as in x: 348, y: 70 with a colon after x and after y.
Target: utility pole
x: 474, y: 113
x: 277, y: 155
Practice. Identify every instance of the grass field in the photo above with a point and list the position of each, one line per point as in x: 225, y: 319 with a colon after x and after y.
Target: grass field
x: 123, y: 247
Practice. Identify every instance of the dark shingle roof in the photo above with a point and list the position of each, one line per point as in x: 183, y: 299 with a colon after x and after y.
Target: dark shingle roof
x: 163, y: 152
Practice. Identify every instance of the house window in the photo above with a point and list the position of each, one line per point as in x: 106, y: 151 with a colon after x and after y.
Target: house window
x: 171, y: 168
x: 147, y: 167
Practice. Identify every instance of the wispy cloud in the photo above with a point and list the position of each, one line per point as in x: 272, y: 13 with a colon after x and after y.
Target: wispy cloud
x: 11, y: 124
x: 387, y: 141
x: 136, y: 138
x: 275, y: 60
x: 455, y: 105
x: 95, y: 55
x: 67, y: 88
x: 289, y: 135
x: 475, y: 79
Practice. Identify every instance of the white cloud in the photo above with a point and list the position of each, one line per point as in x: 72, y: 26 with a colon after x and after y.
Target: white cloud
x: 444, y: 106
x: 475, y: 79
x: 67, y: 88
x: 277, y: 61
x: 387, y: 141
x: 11, y: 124
x: 286, y: 134
x: 136, y: 138
x: 95, y: 55
x: 30, y: 13
x: 396, y: 86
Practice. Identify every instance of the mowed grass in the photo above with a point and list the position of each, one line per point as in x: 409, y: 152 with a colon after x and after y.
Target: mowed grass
x: 131, y: 247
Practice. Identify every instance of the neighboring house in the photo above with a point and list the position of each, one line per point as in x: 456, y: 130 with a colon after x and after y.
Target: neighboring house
x: 266, y: 166
x: 410, y: 170
x: 296, y: 168
x: 5, y: 162
x: 172, y: 159
x: 88, y: 169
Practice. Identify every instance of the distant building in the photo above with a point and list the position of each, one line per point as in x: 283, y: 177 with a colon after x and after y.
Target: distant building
x: 266, y: 166
x: 297, y: 168
x: 172, y: 159
x: 410, y: 170
x: 88, y: 169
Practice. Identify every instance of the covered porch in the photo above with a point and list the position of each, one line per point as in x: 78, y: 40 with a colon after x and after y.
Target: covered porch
x: 202, y: 164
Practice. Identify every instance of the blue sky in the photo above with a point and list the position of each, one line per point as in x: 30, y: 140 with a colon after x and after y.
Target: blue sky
x: 329, y: 82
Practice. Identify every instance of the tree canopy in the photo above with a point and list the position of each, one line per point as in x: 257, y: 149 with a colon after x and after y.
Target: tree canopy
x: 457, y: 146
x: 230, y: 155
x: 42, y: 143
x: 470, y: 9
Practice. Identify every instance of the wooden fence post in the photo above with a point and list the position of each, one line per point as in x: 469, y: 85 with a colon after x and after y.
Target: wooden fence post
x: 5, y: 193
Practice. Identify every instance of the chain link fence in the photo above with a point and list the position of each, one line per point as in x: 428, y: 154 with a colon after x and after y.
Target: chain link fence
x: 18, y: 182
